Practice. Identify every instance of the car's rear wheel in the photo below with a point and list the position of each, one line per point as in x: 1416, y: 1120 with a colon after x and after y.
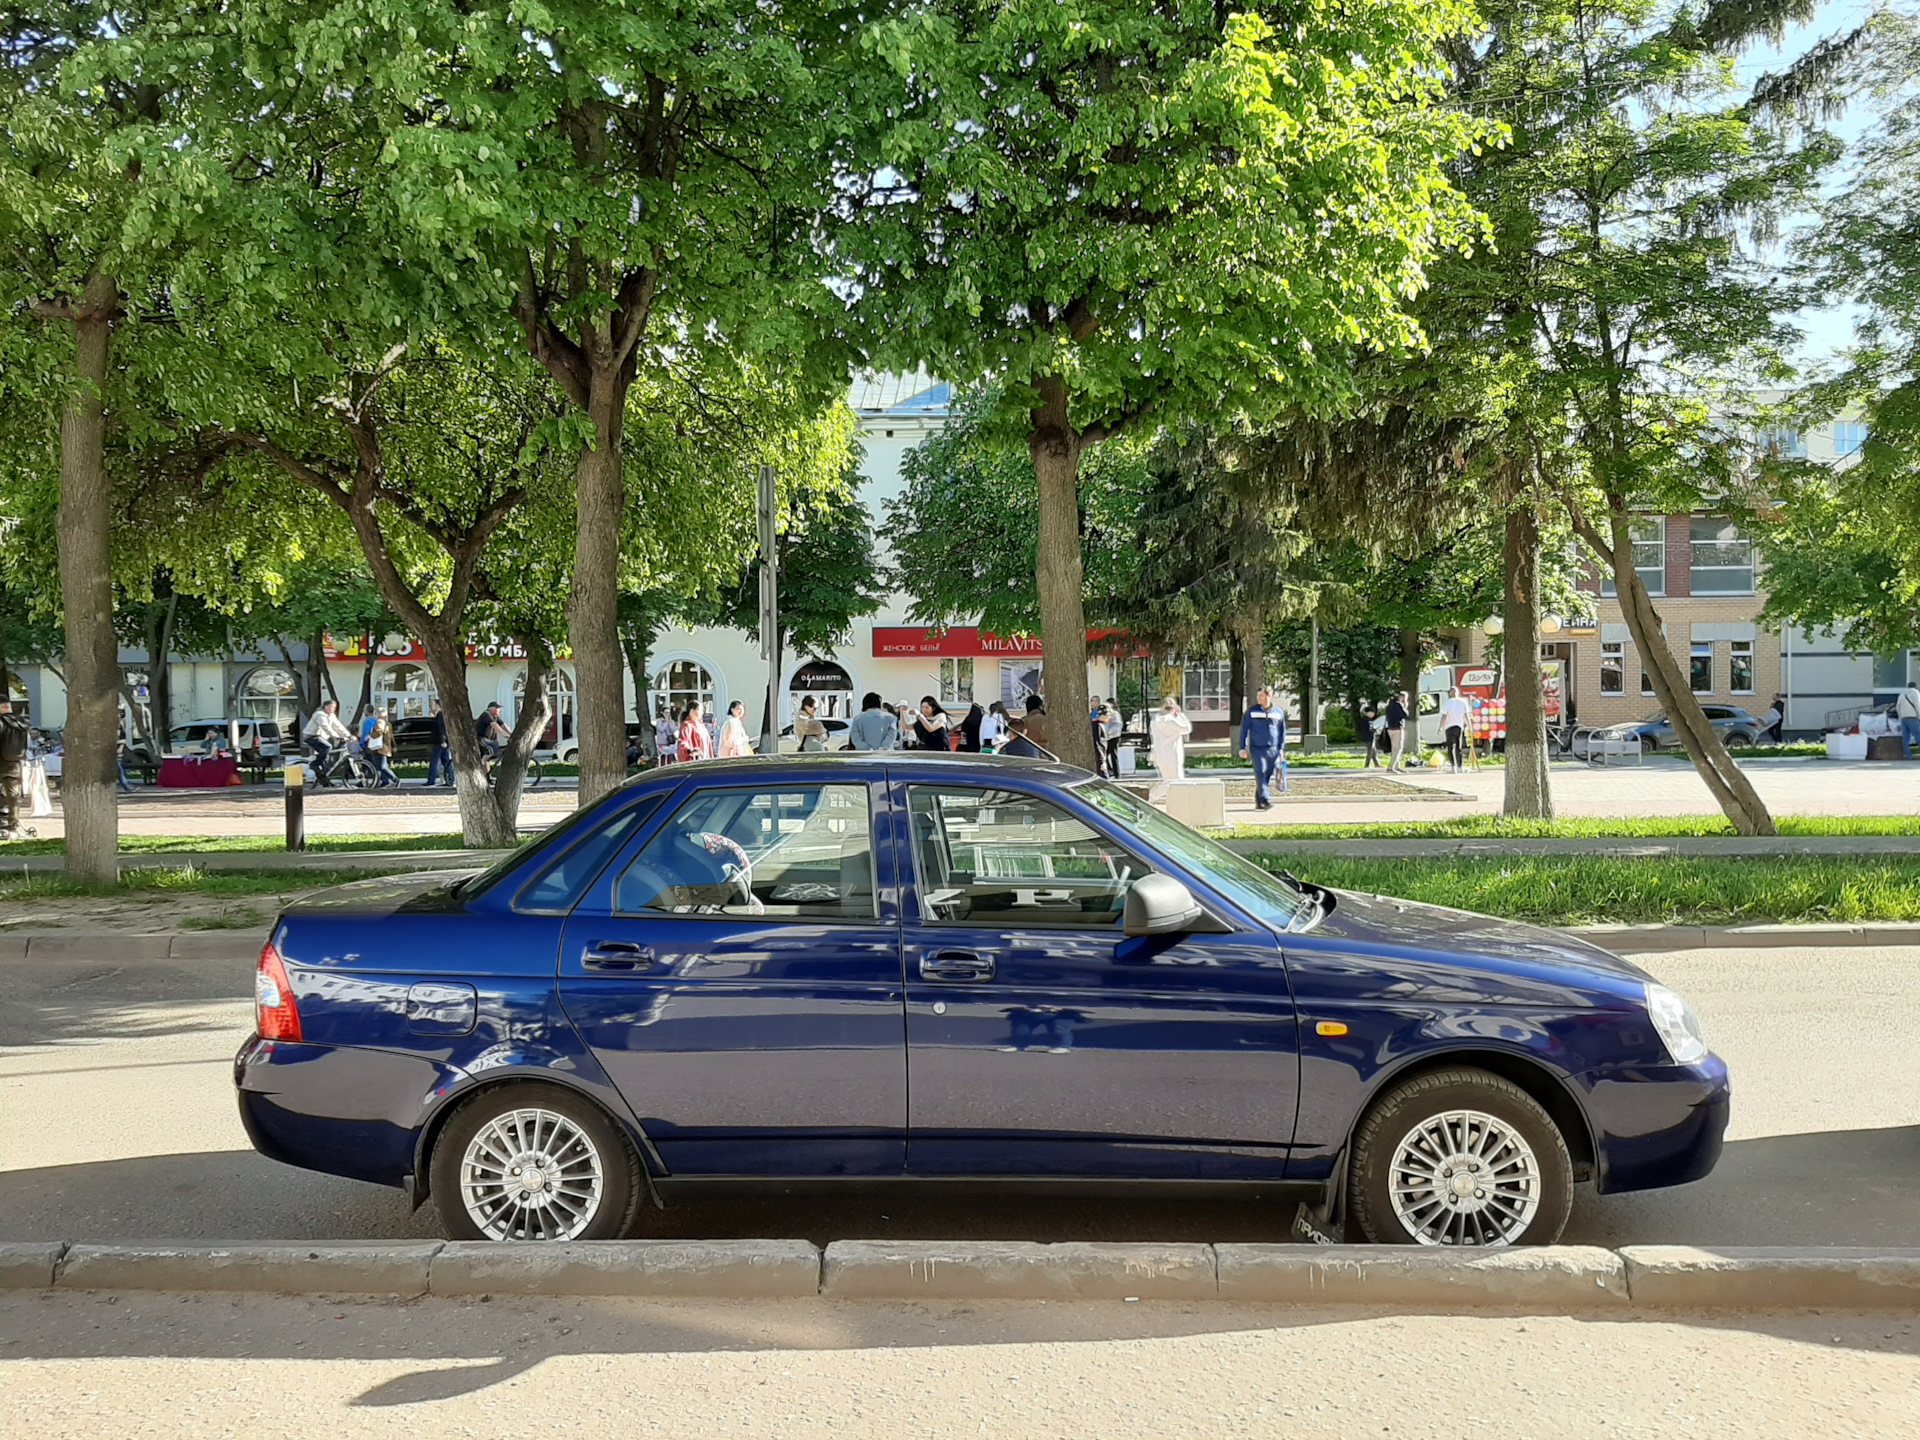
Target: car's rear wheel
x: 1461, y: 1158
x: 534, y: 1162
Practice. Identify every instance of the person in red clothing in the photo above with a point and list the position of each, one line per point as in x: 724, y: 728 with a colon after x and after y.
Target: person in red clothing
x: 695, y: 742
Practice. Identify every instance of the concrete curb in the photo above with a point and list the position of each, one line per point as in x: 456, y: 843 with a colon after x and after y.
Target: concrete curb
x: 1613, y: 847
x: 1547, y: 1280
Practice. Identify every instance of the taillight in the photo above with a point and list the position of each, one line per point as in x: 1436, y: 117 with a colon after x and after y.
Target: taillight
x: 275, y: 1015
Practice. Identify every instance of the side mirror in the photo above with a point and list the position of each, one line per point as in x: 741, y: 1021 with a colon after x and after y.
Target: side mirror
x: 1161, y: 905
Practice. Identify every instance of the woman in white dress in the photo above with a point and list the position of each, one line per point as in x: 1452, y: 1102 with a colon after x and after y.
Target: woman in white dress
x: 1169, y: 733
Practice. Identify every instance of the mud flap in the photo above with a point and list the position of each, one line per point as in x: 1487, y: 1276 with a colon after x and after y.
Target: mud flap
x: 1325, y: 1221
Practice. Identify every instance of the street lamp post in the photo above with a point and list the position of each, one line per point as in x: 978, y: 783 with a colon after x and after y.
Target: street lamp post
x: 770, y: 610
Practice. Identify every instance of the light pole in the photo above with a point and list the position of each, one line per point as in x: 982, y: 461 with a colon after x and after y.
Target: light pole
x: 770, y: 610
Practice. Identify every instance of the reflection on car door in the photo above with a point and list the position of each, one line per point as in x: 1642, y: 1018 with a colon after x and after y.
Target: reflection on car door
x: 737, y: 972
x: 1042, y: 1041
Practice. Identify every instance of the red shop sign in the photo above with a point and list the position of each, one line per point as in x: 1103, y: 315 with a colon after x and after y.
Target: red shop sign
x: 957, y: 640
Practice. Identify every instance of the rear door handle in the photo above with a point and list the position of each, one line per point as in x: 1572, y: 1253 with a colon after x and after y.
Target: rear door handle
x: 955, y: 965
x: 616, y: 955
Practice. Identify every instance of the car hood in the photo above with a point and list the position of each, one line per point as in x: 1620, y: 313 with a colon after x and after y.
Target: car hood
x: 1498, y: 960
x: 421, y: 892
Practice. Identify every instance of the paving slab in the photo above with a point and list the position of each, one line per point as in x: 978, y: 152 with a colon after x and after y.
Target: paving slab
x: 1016, y: 1270
x: 1570, y: 1276
x: 369, y: 1268
x: 729, y: 1269
x: 1745, y: 1278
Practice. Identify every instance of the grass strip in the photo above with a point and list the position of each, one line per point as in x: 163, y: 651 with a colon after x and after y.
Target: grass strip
x: 242, y: 844
x: 172, y: 881
x: 1676, y: 890
x: 1638, y: 827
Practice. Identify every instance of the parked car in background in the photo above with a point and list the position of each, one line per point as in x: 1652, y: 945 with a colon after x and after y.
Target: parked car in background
x: 726, y: 972
x: 413, y: 739
x: 256, y: 744
x: 836, y: 735
x: 1733, y: 725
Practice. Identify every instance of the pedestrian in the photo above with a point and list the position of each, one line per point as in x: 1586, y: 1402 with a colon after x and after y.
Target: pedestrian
x: 15, y: 733
x: 903, y: 722
x: 666, y: 735
x: 993, y: 726
x: 694, y: 741
x: 1020, y: 744
x: 367, y: 718
x: 733, y: 733
x: 970, y: 724
x: 378, y: 748
x: 1097, y: 726
x: 1775, y: 717
x: 932, y: 727
x: 1111, y: 727
x: 440, y: 760
x: 807, y: 727
x: 1263, y: 738
x: 491, y: 731
x: 120, y: 765
x: 1906, y: 709
x: 1454, y: 715
x: 1169, y: 733
x: 875, y: 727
x: 1375, y: 727
x: 328, y: 737
x: 1037, y: 721
x: 1396, y: 718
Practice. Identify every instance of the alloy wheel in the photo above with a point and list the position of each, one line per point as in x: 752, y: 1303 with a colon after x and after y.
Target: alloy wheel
x: 531, y: 1174
x: 1464, y: 1177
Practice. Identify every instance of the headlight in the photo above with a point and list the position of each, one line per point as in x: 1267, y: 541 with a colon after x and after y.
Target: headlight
x: 1676, y: 1024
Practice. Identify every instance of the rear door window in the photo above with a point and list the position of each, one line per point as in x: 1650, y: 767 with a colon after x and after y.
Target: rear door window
x: 557, y: 888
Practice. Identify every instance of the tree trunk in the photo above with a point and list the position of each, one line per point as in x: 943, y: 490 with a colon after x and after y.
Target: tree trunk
x: 636, y: 644
x: 1731, y: 789
x: 1060, y: 575
x: 322, y: 672
x: 1236, y: 677
x: 1253, y: 649
x: 366, y: 681
x: 536, y: 709
x: 593, y: 612
x: 1529, y: 789
x: 1412, y: 653
x: 89, y: 800
x: 479, y: 815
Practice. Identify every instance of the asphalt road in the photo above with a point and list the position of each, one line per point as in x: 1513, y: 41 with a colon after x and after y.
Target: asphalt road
x: 119, y: 1123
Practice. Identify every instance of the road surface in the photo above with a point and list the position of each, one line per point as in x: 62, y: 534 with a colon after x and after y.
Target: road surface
x: 120, y: 1124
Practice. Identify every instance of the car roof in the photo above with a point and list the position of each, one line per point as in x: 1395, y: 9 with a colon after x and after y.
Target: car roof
x: 823, y: 766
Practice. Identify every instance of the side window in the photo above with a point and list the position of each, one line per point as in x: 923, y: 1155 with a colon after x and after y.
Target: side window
x: 997, y: 857
x: 794, y: 852
x: 558, y: 888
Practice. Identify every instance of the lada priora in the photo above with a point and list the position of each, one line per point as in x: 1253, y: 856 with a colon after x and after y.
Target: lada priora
x: 925, y: 968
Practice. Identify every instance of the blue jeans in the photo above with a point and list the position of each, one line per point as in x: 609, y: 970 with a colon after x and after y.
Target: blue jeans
x: 440, y: 765
x: 322, y: 760
x: 1265, y: 760
x: 1910, y: 734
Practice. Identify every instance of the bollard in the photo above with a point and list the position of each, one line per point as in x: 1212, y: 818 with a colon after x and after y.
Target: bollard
x: 296, y: 778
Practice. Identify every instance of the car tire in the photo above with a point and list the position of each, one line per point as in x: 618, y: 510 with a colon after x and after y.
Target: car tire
x: 1740, y: 737
x: 586, y: 1182
x: 1422, y: 1155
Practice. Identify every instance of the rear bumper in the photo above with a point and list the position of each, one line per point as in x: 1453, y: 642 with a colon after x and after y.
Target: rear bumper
x: 336, y: 1109
x: 1656, y: 1125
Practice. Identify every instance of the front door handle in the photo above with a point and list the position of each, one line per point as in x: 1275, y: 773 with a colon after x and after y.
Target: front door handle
x: 955, y: 965
x: 616, y: 955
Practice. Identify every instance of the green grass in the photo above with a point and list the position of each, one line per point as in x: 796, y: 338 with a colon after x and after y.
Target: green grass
x: 165, y: 883
x: 1588, y: 890
x: 241, y: 844
x: 1645, y: 827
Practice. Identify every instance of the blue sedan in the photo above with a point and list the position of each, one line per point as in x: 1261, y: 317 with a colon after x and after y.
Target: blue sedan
x: 917, y: 968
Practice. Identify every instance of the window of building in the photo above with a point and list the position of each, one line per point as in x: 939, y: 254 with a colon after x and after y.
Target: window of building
x: 1740, y: 668
x: 1722, y: 558
x: 1783, y: 442
x: 1613, y: 668
x: 956, y: 682
x: 1205, y: 690
x: 559, y: 696
x: 996, y: 858
x: 800, y: 852
x: 1890, y: 671
x: 269, y: 692
x: 1848, y: 437
x: 405, y: 692
x: 679, y: 684
x: 1649, y: 534
x: 1700, y: 669
x: 1646, y: 681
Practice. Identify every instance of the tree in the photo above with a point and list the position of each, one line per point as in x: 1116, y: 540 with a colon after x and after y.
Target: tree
x: 1149, y: 212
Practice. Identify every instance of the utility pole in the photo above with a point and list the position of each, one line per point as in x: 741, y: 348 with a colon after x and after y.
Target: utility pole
x: 1310, y: 722
x: 770, y: 610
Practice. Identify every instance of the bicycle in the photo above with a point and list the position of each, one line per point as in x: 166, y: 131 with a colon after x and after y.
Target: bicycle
x: 348, y: 769
x: 535, y: 773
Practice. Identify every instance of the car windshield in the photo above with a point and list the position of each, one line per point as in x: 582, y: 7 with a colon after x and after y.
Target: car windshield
x: 1276, y: 899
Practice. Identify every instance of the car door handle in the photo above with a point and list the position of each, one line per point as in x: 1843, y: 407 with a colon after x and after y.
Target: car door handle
x: 955, y: 965
x: 616, y: 955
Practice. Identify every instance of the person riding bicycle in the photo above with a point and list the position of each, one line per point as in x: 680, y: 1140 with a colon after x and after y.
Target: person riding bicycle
x: 328, y: 737
x: 492, y: 732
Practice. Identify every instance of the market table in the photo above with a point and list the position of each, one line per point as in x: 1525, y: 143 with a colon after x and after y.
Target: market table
x: 195, y: 772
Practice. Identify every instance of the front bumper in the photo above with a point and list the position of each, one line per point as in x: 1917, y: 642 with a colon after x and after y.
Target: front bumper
x: 1656, y: 1125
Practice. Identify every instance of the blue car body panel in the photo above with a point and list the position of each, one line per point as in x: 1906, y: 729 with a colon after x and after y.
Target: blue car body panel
x: 763, y: 1048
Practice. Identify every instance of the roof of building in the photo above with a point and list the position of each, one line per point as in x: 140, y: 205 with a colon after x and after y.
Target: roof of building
x: 915, y: 394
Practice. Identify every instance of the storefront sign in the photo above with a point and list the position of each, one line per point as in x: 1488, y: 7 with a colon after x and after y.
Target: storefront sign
x: 958, y: 640
x: 405, y: 647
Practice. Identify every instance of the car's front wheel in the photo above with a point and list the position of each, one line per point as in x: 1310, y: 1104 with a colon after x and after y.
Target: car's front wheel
x: 534, y: 1162
x: 1463, y: 1158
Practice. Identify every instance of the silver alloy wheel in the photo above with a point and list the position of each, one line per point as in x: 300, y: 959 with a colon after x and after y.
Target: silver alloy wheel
x: 1464, y: 1177
x: 531, y: 1175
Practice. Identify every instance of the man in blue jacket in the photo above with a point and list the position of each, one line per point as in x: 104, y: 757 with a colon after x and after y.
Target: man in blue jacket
x: 1263, y: 736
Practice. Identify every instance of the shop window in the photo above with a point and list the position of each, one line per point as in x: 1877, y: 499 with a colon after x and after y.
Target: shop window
x: 1700, y: 670
x: 1722, y: 558
x: 1890, y: 670
x: 956, y: 682
x: 559, y: 695
x: 404, y: 692
x: 1613, y: 668
x: 1205, y: 690
x: 1740, y: 668
x: 1649, y: 535
x: 678, y: 685
x: 1848, y: 437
